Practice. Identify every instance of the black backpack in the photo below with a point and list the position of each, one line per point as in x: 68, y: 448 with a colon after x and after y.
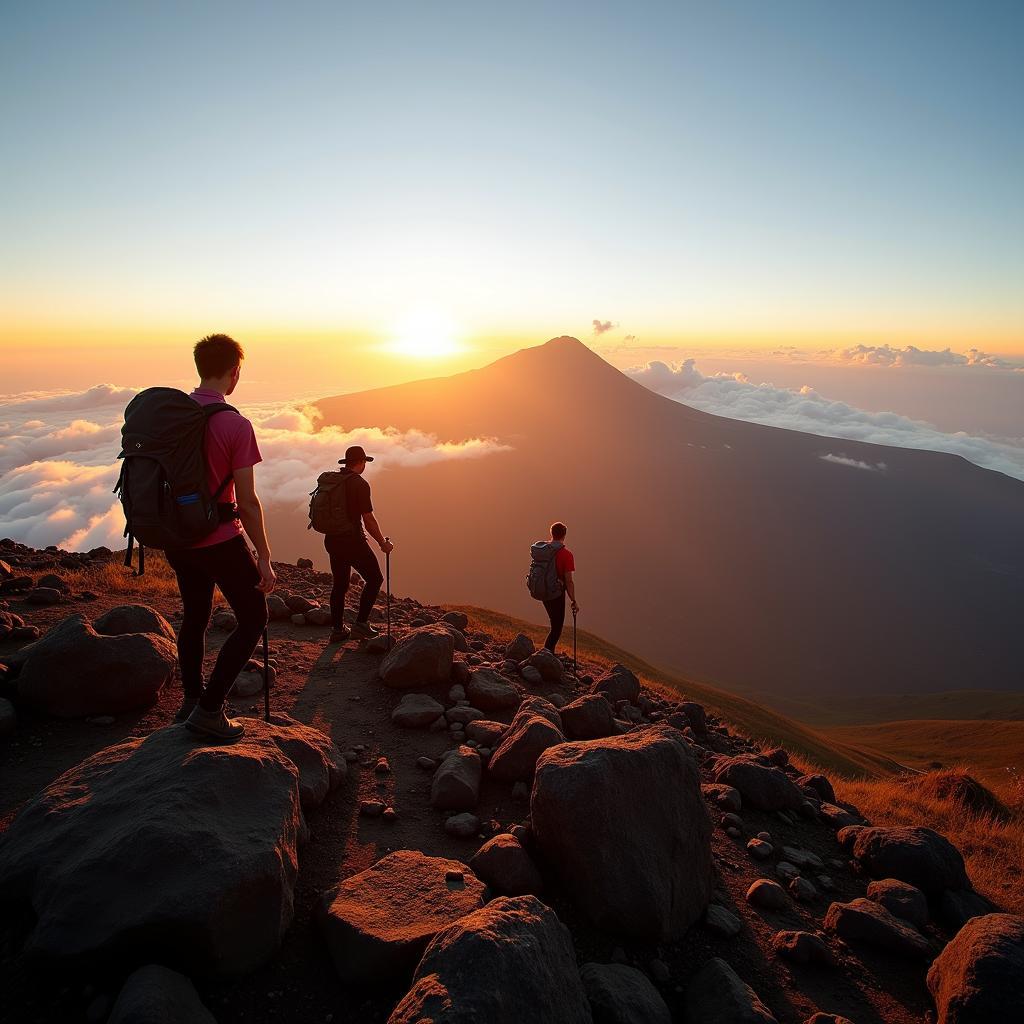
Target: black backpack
x: 328, y: 504
x: 542, y: 580
x: 163, y: 482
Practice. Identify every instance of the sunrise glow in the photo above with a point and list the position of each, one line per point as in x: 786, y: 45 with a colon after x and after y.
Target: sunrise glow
x: 425, y: 334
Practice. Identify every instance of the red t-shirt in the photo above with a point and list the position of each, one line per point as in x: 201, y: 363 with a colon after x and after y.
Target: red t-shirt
x: 230, y: 445
x: 564, y: 562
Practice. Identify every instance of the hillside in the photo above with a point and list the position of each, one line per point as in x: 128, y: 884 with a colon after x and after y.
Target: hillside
x: 376, y: 777
x: 727, y: 551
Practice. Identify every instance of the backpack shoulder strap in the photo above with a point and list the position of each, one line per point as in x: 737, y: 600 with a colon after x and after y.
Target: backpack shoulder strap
x: 215, y: 407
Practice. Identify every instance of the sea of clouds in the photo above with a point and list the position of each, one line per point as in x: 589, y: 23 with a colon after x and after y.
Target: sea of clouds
x: 735, y: 396
x: 58, y: 460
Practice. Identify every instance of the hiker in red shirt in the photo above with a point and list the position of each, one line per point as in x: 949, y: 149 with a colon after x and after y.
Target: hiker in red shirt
x: 565, y: 567
x: 222, y: 558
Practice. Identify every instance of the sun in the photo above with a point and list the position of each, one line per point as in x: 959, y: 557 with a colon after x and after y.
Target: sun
x: 425, y: 334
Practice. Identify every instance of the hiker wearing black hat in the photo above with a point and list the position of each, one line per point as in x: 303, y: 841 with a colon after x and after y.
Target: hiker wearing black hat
x: 349, y: 550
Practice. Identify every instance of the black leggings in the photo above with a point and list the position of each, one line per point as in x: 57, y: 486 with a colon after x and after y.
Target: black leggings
x: 230, y: 566
x: 346, y: 554
x: 556, y: 613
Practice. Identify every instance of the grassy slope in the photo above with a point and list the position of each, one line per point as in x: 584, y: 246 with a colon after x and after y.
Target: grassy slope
x: 867, y: 709
x: 994, y: 750
x: 752, y: 719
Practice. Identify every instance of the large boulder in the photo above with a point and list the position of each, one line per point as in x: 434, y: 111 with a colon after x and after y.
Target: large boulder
x: 520, y: 648
x: 421, y: 658
x: 512, y: 960
x: 717, y: 993
x: 162, y: 846
x: 767, y: 789
x: 491, y: 691
x: 456, y: 783
x: 618, y: 683
x: 134, y: 618
x: 486, y: 733
x: 378, y: 923
x: 619, y: 994
x: 506, y: 867
x: 623, y: 823
x: 541, y: 706
x: 588, y: 718
x: 527, y: 738
x: 74, y: 671
x: 913, y: 854
x: 979, y: 977
x: 158, y: 995
x: 866, y: 921
x: 901, y: 900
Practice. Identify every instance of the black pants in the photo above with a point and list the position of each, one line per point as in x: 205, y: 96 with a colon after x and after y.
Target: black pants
x: 556, y: 613
x: 348, y: 553
x: 229, y: 566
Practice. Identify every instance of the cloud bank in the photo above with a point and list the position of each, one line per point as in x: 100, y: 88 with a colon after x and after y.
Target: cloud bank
x: 58, y: 460
x: 886, y: 355
x: 737, y: 397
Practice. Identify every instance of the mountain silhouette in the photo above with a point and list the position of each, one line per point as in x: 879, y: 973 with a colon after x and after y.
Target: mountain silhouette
x: 764, y: 559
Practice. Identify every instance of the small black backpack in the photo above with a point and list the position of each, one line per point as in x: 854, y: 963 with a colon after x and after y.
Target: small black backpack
x: 328, y: 504
x: 542, y: 580
x: 163, y: 482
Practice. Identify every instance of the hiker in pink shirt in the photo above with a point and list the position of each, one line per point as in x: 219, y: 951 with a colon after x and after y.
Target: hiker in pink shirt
x: 222, y: 558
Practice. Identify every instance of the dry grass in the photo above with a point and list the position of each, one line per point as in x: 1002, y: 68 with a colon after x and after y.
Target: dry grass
x: 158, y: 583
x: 992, y: 844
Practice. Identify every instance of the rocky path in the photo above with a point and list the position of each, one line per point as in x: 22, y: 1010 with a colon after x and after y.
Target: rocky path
x: 779, y: 861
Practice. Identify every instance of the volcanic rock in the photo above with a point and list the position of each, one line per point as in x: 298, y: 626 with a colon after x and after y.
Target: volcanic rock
x: 618, y: 683
x: 717, y: 993
x: 588, y: 718
x: 767, y: 789
x: 421, y: 658
x: 157, y: 995
x: 134, y: 618
x: 619, y: 994
x: 868, y: 922
x: 506, y: 867
x: 456, y: 783
x: 912, y: 854
x: 416, y: 711
x: 527, y: 738
x: 491, y: 691
x: 901, y: 900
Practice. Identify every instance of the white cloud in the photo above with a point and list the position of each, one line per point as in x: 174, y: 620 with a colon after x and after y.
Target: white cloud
x: 843, y: 460
x: 735, y: 396
x: 57, y: 468
x: 886, y: 355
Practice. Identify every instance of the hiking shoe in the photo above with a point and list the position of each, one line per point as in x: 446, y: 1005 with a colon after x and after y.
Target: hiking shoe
x: 214, y: 725
x: 339, y: 635
x: 188, y: 705
x: 364, y: 631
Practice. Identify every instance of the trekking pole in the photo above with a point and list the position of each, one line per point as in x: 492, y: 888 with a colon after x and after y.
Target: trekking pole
x: 575, y: 671
x: 387, y: 594
x: 266, y: 673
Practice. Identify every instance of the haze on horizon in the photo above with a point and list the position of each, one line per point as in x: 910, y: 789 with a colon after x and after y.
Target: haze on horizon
x: 368, y: 195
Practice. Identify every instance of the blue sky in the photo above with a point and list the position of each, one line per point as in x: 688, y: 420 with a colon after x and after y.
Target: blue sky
x: 746, y: 171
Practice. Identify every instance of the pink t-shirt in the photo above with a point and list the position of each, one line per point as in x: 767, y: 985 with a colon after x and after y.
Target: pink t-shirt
x: 230, y: 445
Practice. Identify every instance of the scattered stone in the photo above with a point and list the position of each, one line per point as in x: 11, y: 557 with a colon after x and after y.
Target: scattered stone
x: 821, y: 786
x: 372, y: 808
x: 304, y: 563
x: 786, y: 871
x: 696, y: 716
x: 382, y: 767
x: 547, y: 664
x: 979, y: 976
x: 462, y: 714
x: 619, y: 994
x: 917, y: 855
x: 75, y: 671
x: 767, y: 895
x: 456, y: 783
x: 512, y: 960
x: 421, y: 658
x: 958, y: 906
x: 297, y: 604
x: 297, y: 619
x: 802, y: 858
x: 837, y: 817
x: 767, y: 789
x: 157, y: 995
x: 506, y: 867
x: 277, y: 609
x: 901, y: 900
x: 249, y: 683
x: 463, y: 826
x: 416, y: 711
x: 618, y: 683
x: 527, y: 738
x: 486, y: 733
x: 653, y: 877
x: 519, y: 649
x: 457, y: 692
x: 426, y: 763
x: 759, y: 848
x: 460, y: 620
x: 588, y: 718
x: 726, y: 797
x: 659, y: 971
x: 802, y: 889
x: 134, y: 618
x: 803, y: 948
x: 44, y: 596
x: 531, y: 676
x: 865, y: 921
x: 319, y: 616
x: 107, y: 862
x: 492, y: 691
x: 722, y: 921
x: 378, y: 923
x: 717, y: 993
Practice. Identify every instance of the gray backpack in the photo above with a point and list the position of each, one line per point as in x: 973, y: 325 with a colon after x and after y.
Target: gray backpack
x: 328, y: 505
x: 542, y: 580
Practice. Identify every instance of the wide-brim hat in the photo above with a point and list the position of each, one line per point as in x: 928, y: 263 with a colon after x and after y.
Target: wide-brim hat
x: 355, y: 454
